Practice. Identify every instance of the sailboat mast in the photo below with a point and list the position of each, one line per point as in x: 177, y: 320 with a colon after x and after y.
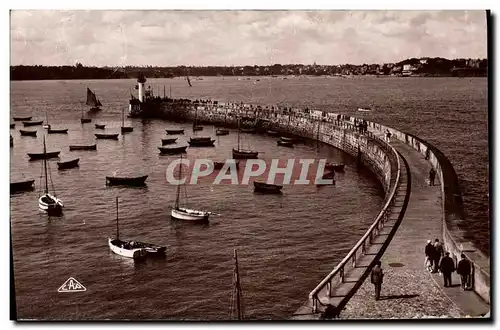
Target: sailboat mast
x: 237, y: 286
x: 117, y: 229
x: 170, y: 91
x: 238, y: 134
x: 178, y: 194
x: 45, y: 166
x: 123, y: 120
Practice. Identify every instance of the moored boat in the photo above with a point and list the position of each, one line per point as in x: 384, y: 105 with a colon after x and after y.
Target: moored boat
x: 85, y: 120
x: 44, y: 155
x: 100, y: 126
x: 335, y: 167
x: 57, y: 131
x: 109, y: 136
x: 267, y: 187
x: 248, y: 130
x: 272, y: 133
x: 172, y: 150
x: 126, y: 181
x: 47, y: 202
x: 27, y: 133
x: 168, y: 141
x: 22, y: 118
x: 83, y: 147
x: 12, y: 125
x: 19, y: 186
x: 32, y: 123
x: 201, y: 142
x: 68, y: 164
x: 174, y: 131
x: 92, y: 100
x: 243, y: 154
x: 221, y: 131
x: 288, y: 144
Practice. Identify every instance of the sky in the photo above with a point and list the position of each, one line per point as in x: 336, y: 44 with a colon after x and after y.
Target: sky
x: 202, y: 38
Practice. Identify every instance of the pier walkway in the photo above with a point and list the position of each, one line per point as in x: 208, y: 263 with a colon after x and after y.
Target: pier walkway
x: 409, y: 290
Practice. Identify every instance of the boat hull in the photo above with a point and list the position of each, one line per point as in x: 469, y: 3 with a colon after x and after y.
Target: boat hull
x: 267, y: 188
x: 58, y: 131
x: 32, y: 123
x: 127, y: 129
x: 288, y: 144
x: 85, y: 120
x: 240, y: 154
x: 12, y: 125
x: 50, y: 204
x: 68, y: 164
x: 273, y: 133
x: 107, y: 136
x: 36, y: 156
x: 97, y: 126
x: 172, y: 151
x: 27, y: 133
x: 116, y: 247
x: 91, y: 147
x: 168, y: 141
x: 201, y: 143
x: 189, y: 215
x: 22, y: 118
x: 122, y: 181
x: 175, y: 131
x: 21, y: 186
x: 221, y: 132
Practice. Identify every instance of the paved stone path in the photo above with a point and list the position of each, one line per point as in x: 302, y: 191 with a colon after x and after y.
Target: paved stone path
x: 410, y: 291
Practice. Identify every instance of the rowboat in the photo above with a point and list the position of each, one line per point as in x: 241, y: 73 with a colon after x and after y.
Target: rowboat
x: 68, y: 164
x: 288, y: 144
x: 32, y: 123
x: 44, y: 155
x: 273, y: 133
x: 172, y: 150
x: 201, y: 142
x: 168, y: 141
x: 174, y: 131
x: 248, y: 130
x: 126, y: 181
x: 267, y: 187
x: 221, y: 131
x: 21, y: 186
x: 22, y: 118
x: 82, y: 147
x: 27, y: 133
x: 85, y: 120
x: 58, y: 131
x: 107, y: 136
x: 99, y: 126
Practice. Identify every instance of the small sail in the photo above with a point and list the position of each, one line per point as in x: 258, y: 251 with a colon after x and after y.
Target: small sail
x: 92, y: 99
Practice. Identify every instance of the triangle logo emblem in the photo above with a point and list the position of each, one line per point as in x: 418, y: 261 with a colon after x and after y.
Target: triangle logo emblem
x: 71, y: 285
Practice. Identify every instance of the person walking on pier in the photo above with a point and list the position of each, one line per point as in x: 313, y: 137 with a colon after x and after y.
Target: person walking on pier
x: 377, y: 278
x: 438, y: 253
x: 464, y: 270
x: 430, y: 251
x: 432, y: 176
x: 388, y: 136
x: 447, y: 267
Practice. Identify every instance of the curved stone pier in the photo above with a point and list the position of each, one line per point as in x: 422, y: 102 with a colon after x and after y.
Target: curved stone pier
x: 413, y: 213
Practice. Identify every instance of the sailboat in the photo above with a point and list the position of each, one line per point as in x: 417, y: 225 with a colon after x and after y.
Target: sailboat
x: 236, y: 307
x: 93, y: 101
x: 47, y: 121
x: 125, y: 129
x: 132, y: 249
x: 181, y: 213
x: 243, y: 154
x: 48, y: 202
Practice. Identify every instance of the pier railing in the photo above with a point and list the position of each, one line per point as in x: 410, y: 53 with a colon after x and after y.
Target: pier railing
x: 338, y: 275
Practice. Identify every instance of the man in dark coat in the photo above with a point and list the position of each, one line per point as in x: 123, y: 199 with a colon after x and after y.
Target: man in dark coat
x: 464, y: 270
x: 432, y: 176
x: 430, y: 251
x: 376, y: 278
x: 447, y: 267
x: 438, y: 247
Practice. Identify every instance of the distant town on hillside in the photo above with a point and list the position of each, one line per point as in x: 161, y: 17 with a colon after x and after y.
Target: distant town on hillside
x: 424, y: 66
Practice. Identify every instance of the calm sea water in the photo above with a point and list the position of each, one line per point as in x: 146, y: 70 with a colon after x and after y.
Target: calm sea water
x: 286, y: 244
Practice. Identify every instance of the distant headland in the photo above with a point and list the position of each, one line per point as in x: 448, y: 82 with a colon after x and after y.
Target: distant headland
x: 424, y: 66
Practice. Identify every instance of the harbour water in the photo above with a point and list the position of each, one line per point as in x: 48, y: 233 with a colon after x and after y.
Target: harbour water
x: 286, y: 244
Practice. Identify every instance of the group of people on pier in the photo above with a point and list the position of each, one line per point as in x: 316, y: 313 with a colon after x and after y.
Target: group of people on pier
x: 437, y: 260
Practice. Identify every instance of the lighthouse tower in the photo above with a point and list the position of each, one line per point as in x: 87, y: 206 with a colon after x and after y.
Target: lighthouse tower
x: 141, y: 81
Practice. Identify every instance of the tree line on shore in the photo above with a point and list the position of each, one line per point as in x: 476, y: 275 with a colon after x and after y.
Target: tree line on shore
x: 414, y: 66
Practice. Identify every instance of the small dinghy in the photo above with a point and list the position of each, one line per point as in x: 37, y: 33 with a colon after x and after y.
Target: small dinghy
x: 12, y: 125
x: 168, y: 141
x: 83, y: 147
x: 288, y: 144
x: 58, y: 131
x: 99, y: 126
x: 32, y: 123
x: 85, y: 120
x: 335, y: 167
x: 19, y: 186
x: 27, y: 133
x: 174, y: 131
x: 68, y: 164
x: 107, y: 136
x: 172, y: 150
x: 267, y: 188
x: 273, y: 133
x: 221, y: 131
x: 287, y: 139
x: 248, y: 130
x: 133, y: 249
x: 44, y: 155
x: 126, y: 129
x: 126, y: 181
x: 197, y: 128
x: 22, y: 118
x: 201, y: 142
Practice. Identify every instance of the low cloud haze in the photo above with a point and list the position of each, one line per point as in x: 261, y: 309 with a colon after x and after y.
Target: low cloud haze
x: 171, y: 38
